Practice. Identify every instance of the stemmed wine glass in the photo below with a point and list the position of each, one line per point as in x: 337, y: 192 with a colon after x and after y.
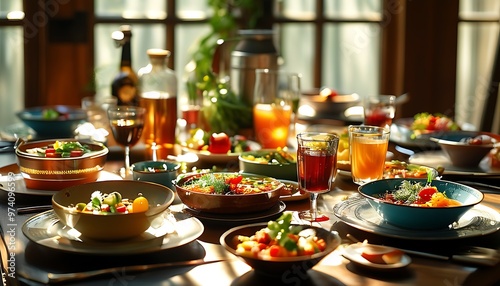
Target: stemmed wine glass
x: 316, y: 168
x: 126, y: 123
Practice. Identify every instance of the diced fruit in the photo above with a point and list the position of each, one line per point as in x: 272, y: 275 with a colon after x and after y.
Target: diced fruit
x: 381, y: 254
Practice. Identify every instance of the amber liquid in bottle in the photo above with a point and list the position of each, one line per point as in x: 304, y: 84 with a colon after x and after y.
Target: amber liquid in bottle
x: 124, y: 85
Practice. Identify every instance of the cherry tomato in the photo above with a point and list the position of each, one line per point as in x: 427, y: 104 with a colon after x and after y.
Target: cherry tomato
x: 275, y: 251
x: 105, y: 208
x: 140, y: 204
x: 50, y: 153
x: 219, y: 143
x: 234, y: 180
x: 76, y: 153
x: 426, y: 193
x: 121, y: 208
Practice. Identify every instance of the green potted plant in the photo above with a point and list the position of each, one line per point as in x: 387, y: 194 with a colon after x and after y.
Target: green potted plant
x: 222, y: 110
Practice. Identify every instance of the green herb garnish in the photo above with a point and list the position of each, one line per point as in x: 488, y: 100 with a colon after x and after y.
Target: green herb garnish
x: 219, y: 183
x: 407, y: 192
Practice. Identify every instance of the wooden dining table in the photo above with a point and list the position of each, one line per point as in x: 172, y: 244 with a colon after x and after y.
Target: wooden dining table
x: 31, y: 263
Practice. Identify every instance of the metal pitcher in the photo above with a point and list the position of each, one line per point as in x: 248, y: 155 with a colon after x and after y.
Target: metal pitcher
x: 254, y: 50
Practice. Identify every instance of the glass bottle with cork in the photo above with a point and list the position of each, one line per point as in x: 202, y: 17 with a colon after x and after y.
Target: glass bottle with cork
x: 158, y: 87
x: 124, y: 85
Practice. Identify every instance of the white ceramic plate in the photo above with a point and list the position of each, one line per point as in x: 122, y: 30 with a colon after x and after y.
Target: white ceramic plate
x: 207, y: 157
x: 353, y: 253
x: 45, y: 229
x: 440, y: 159
x: 357, y: 212
x: 20, y: 185
x: 238, y: 218
x: 296, y: 195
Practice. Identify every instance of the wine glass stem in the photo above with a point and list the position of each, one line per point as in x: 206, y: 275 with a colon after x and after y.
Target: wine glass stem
x: 127, y: 160
x: 314, y: 206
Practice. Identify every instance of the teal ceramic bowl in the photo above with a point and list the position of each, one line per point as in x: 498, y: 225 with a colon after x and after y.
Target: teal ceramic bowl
x: 160, y: 172
x: 62, y: 126
x: 422, y: 218
x: 287, y: 170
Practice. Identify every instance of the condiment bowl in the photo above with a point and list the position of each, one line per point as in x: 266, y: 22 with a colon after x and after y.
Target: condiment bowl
x: 44, y: 173
x: 115, y: 226
x: 160, y: 172
x: 61, y: 126
x: 229, y: 204
x: 279, y: 266
x: 463, y: 154
x: 417, y: 217
x: 278, y: 164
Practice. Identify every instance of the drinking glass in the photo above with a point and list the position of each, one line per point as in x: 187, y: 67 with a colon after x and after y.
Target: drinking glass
x: 126, y: 124
x: 316, y: 168
x: 273, y: 94
x: 379, y: 110
x: 368, y: 150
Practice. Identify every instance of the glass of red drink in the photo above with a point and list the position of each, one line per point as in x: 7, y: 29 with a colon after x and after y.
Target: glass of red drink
x: 127, y: 123
x: 379, y: 110
x: 316, y: 167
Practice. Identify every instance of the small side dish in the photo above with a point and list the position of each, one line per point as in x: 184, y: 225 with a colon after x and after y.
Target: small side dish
x: 381, y: 254
x: 374, y: 256
x: 280, y: 239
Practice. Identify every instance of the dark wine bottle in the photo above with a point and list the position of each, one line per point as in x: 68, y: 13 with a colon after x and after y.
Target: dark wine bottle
x: 124, y: 85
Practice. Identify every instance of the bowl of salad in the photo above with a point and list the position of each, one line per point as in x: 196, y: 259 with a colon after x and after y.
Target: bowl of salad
x: 228, y: 192
x: 112, y: 210
x: 57, y: 164
x: 279, y: 247
x: 412, y: 203
x: 54, y: 121
x: 279, y: 163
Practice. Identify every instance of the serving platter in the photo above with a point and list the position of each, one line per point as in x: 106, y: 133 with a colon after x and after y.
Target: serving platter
x: 45, y: 229
x: 402, y: 135
x: 440, y: 159
x: 357, y: 212
x: 208, y: 157
x: 398, y: 169
x: 20, y: 185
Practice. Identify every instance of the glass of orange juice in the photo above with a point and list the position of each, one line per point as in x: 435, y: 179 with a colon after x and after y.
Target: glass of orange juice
x: 368, y: 150
x: 273, y: 94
